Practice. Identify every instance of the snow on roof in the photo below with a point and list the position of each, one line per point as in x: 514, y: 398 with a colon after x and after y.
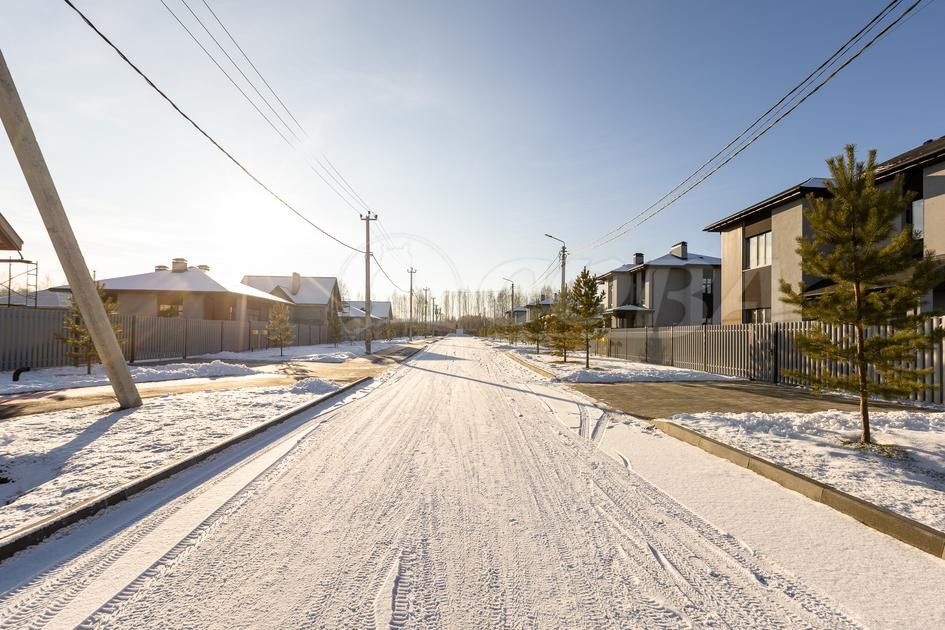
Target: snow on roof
x: 356, y: 313
x: 669, y: 260
x: 380, y: 309
x: 44, y: 299
x: 313, y: 290
x: 193, y: 280
x: 628, y: 308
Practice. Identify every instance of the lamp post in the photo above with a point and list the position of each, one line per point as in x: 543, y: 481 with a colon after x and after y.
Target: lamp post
x: 564, y: 256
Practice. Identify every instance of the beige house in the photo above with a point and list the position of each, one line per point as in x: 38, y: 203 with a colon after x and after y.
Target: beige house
x: 677, y: 289
x: 315, y: 300
x: 186, y: 292
x: 759, y: 242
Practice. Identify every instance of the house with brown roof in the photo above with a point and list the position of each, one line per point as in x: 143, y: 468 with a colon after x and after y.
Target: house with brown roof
x: 759, y: 242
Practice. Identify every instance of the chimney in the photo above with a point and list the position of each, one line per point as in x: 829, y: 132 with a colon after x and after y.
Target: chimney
x: 638, y: 258
x: 203, y: 267
x: 680, y: 250
x: 160, y: 267
x: 178, y: 265
x: 296, y: 283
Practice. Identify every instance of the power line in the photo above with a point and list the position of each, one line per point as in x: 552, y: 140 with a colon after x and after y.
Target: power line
x: 768, y: 127
x: 381, y: 267
x: 790, y: 96
x: 206, y: 135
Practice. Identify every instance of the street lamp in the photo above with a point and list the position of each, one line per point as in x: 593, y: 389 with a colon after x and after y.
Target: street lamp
x: 564, y: 256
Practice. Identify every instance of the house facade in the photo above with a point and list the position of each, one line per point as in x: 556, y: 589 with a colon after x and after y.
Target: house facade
x: 759, y: 242
x: 182, y: 291
x: 677, y: 289
x: 315, y: 300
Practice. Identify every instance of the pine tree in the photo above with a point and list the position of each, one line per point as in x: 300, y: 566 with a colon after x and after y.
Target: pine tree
x: 587, y: 304
x: 78, y: 340
x: 279, y: 329
x: 536, y: 330
x: 563, y: 331
x: 878, y: 278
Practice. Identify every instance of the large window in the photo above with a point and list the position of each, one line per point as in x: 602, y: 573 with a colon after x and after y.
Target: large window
x: 918, y: 218
x: 171, y: 306
x: 759, y: 250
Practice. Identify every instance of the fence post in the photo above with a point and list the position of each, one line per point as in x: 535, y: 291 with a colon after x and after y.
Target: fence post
x: 705, y: 348
x: 186, y: 329
x: 775, y: 354
x: 672, y: 346
x: 646, y: 344
x: 249, y: 334
x: 221, y: 335
x: 134, y: 338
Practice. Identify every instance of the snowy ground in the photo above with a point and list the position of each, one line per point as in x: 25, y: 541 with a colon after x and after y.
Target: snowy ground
x: 812, y: 444
x: 324, y: 353
x: 55, y: 460
x: 608, y: 370
x: 67, y: 377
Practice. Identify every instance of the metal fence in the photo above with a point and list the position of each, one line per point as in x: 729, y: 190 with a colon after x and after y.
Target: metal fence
x: 761, y: 352
x: 32, y: 337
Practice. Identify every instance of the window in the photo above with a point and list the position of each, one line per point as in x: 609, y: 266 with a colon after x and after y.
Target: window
x: 759, y: 250
x: 758, y: 316
x: 707, y: 286
x: 918, y: 218
x: 171, y: 306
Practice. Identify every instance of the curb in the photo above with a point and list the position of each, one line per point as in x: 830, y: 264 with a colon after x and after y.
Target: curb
x: 900, y: 527
x: 31, y: 534
x: 534, y: 368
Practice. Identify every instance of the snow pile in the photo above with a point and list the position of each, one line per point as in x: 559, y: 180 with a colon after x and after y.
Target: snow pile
x: 58, y: 459
x: 608, y: 370
x: 314, y: 386
x: 812, y: 444
x: 68, y: 377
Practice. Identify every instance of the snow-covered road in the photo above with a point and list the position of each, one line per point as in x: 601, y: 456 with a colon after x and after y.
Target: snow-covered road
x: 452, y: 495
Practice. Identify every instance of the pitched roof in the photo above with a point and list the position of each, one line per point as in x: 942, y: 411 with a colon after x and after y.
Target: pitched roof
x: 928, y: 152
x: 354, y: 312
x: 9, y: 239
x: 313, y: 290
x: 44, y: 299
x: 379, y: 309
x: 669, y: 260
x: 193, y: 280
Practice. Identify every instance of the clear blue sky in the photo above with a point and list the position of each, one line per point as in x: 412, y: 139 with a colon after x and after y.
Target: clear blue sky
x: 472, y: 127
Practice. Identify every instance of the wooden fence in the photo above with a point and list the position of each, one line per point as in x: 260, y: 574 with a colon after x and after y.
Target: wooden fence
x: 761, y: 352
x: 31, y: 337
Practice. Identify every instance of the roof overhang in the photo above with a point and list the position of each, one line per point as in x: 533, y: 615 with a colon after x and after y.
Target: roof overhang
x: 9, y: 239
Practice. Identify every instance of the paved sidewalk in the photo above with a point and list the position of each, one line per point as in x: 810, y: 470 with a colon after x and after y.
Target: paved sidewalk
x: 287, y: 373
x: 663, y: 400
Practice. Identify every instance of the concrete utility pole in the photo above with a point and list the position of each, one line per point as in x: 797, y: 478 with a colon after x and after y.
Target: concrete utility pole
x: 411, y: 271
x: 564, y: 259
x: 368, y: 332
x: 426, y: 305
x: 512, y: 308
x: 84, y: 292
x: 433, y: 319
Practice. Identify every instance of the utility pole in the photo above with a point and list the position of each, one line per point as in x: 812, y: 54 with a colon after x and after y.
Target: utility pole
x: 564, y: 258
x: 433, y: 319
x: 367, y: 218
x: 411, y: 271
x: 512, y: 308
x: 84, y: 291
x: 426, y: 305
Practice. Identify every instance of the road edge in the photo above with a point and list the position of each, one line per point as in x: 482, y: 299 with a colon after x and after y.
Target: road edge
x: 33, y: 533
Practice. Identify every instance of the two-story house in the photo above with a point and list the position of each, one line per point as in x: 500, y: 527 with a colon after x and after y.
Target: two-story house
x: 677, y: 289
x: 759, y: 242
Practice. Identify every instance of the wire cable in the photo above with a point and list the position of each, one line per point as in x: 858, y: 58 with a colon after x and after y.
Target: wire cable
x: 767, y: 128
x: 200, y: 129
x: 381, y: 267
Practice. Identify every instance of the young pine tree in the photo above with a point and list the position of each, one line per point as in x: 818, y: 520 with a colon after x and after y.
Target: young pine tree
x: 564, y: 332
x: 536, y: 330
x: 79, y: 346
x: 878, y: 278
x: 279, y: 329
x: 587, y: 304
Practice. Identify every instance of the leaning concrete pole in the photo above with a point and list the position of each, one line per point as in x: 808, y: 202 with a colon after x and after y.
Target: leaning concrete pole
x: 84, y: 292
